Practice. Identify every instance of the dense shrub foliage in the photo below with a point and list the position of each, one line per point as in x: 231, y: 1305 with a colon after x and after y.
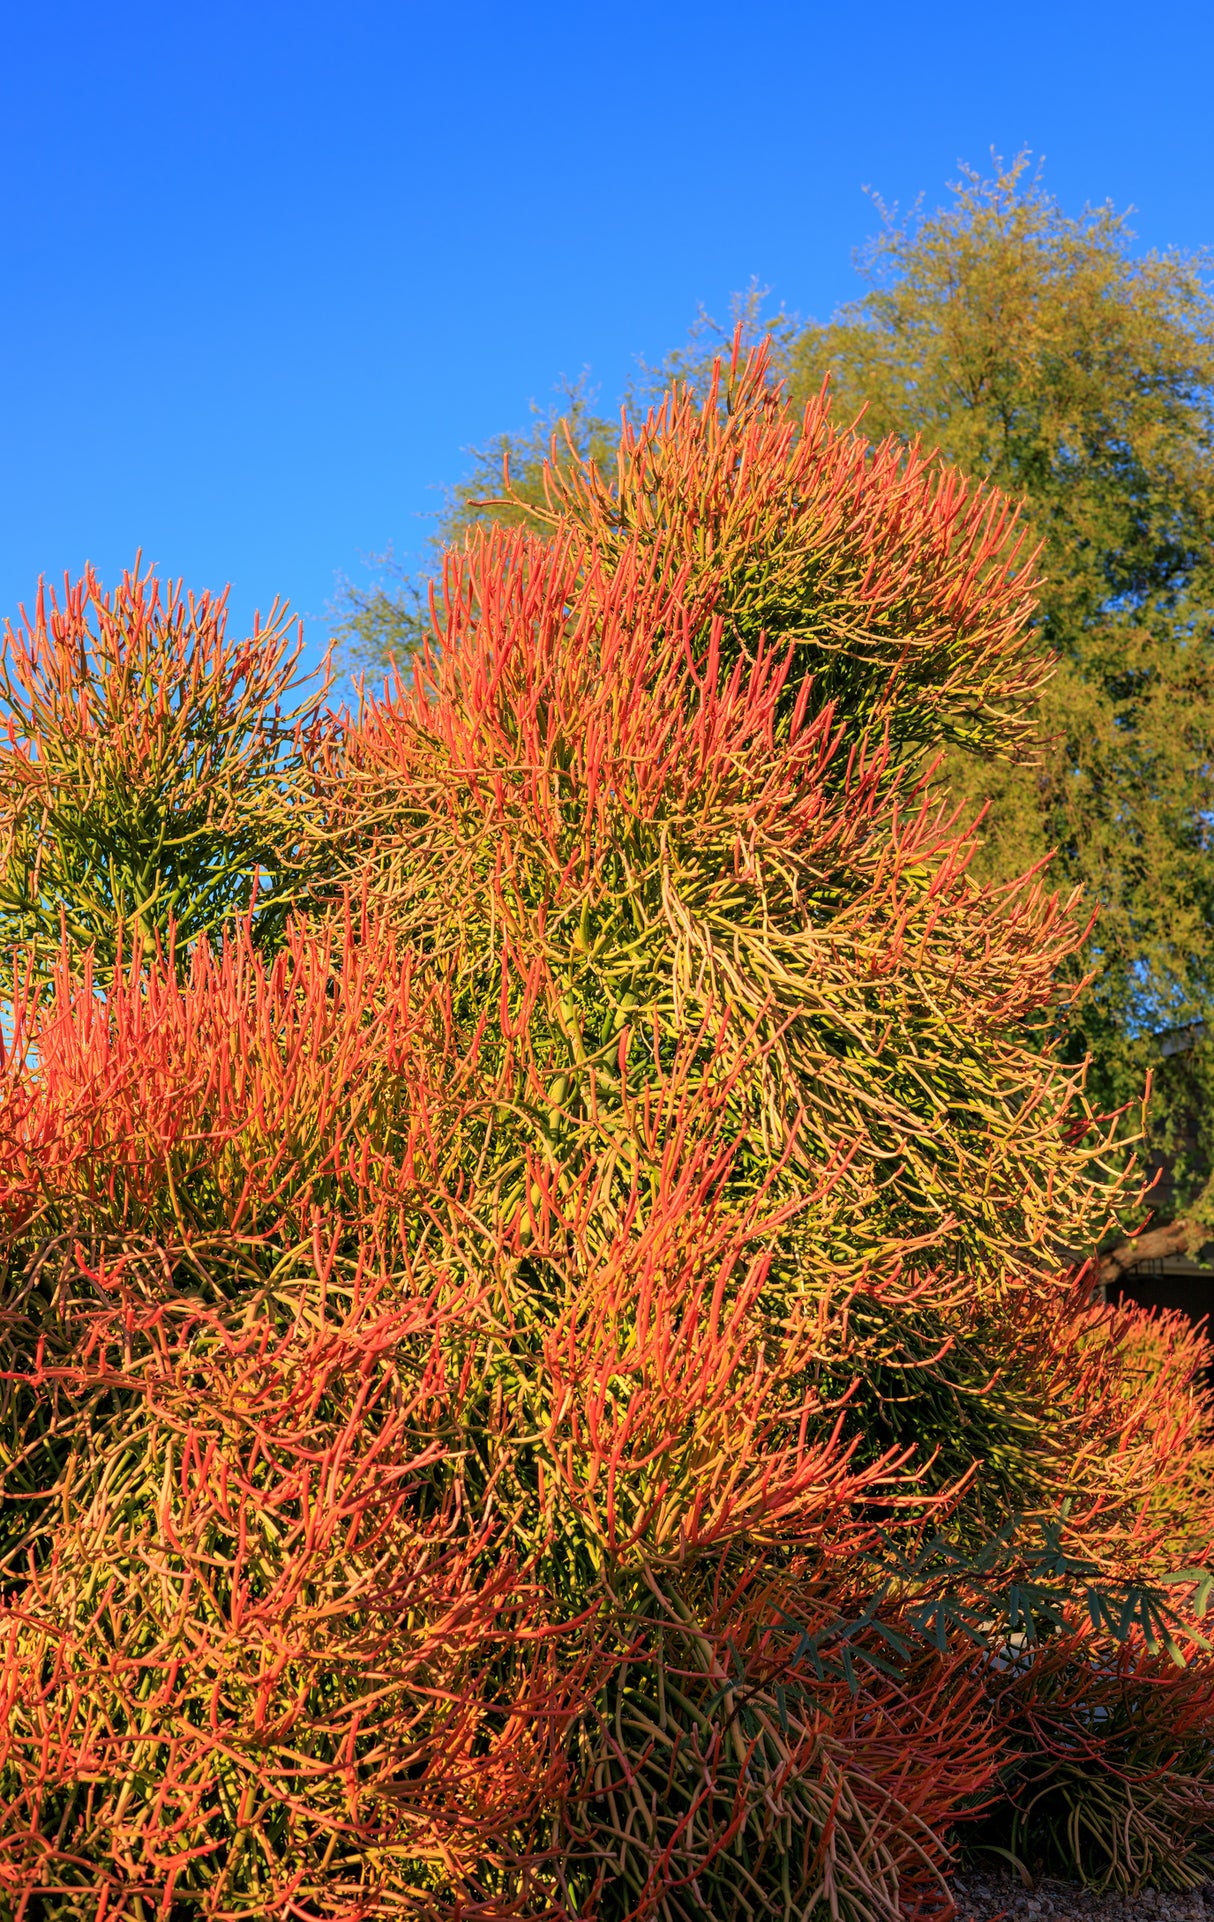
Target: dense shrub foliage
x: 149, y: 775
x: 547, y: 1365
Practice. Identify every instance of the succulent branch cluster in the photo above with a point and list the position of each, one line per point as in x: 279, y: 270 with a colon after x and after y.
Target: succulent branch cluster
x: 539, y: 1369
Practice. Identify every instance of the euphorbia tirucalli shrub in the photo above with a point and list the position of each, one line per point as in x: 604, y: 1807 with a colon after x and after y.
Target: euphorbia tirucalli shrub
x: 557, y: 1386
x: 151, y: 778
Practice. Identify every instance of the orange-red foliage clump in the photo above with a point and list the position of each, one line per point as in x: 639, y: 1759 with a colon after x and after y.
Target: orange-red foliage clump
x: 545, y: 1371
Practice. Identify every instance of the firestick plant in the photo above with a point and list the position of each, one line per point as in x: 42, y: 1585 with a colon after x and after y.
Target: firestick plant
x: 548, y: 1370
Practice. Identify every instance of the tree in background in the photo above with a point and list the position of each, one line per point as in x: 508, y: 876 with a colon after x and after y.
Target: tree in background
x: 388, y: 622
x: 1034, y: 350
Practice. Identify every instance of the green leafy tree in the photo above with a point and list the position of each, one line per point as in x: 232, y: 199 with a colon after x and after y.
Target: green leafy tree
x: 710, y: 342
x: 385, y: 623
x: 388, y: 623
x: 1036, y: 350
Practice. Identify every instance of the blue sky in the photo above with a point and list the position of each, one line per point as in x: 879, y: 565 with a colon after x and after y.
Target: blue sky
x: 270, y: 269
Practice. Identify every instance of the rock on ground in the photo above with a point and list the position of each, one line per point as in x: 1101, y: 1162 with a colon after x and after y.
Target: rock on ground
x: 983, y: 1898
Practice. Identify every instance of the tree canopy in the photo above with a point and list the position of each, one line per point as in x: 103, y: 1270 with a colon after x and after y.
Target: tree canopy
x: 1036, y: 350
x: 389, y: 621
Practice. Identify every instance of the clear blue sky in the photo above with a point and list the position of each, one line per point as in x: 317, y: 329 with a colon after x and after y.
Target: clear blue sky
x: 269, y: 269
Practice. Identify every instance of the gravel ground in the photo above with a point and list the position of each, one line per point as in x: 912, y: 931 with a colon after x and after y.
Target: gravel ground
x: 982, y: 1898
